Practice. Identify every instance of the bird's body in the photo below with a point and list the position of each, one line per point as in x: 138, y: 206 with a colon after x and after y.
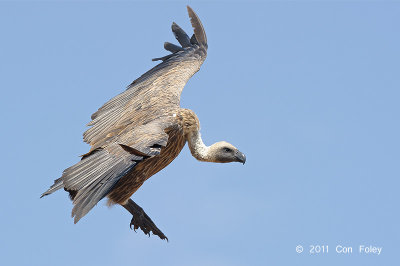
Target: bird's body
x: 133, y: 180
x: 142, y: 130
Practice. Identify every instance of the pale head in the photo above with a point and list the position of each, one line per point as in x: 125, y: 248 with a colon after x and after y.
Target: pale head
x: 224, y: 152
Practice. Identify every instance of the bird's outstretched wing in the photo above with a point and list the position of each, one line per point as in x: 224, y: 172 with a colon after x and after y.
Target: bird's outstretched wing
x: 155, y: 93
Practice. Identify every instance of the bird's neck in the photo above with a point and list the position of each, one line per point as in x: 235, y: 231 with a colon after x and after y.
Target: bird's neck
x: 197, y: 147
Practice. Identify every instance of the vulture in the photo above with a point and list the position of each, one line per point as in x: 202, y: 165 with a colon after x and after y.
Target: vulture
x: 142, y: 130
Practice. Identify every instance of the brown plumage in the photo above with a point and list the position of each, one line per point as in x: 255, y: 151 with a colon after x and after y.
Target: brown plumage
x: 141, y: 131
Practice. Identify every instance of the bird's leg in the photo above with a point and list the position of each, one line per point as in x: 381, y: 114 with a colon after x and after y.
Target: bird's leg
x: 141, y: 220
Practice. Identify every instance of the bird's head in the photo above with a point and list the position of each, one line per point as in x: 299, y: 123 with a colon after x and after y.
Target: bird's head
x: 224, y: 152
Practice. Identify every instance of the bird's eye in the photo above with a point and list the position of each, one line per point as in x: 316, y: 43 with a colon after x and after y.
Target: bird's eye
x: 227, y: 150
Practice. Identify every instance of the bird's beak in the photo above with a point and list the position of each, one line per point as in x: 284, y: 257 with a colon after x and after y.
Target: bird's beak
x: 240, y: 157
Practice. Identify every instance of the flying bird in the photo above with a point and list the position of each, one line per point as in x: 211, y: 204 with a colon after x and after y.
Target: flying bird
x: 142, y: 130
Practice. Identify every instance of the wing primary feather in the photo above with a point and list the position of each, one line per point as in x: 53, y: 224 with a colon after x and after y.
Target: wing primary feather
x: 193, y: 40
x: 197, y: 27
x: 180, y: 35
x: 163, y: 58
x: 172, y: 47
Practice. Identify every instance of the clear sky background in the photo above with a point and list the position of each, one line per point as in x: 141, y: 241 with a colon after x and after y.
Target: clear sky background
x: 309, y: 91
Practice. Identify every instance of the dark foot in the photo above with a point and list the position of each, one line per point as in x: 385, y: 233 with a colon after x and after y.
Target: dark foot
x: 141, y: 220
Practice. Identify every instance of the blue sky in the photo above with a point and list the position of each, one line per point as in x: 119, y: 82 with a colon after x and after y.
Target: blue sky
x: 309, y: 91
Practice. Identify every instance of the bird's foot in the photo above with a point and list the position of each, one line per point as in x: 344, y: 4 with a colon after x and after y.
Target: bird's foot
x: 141, y: 220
